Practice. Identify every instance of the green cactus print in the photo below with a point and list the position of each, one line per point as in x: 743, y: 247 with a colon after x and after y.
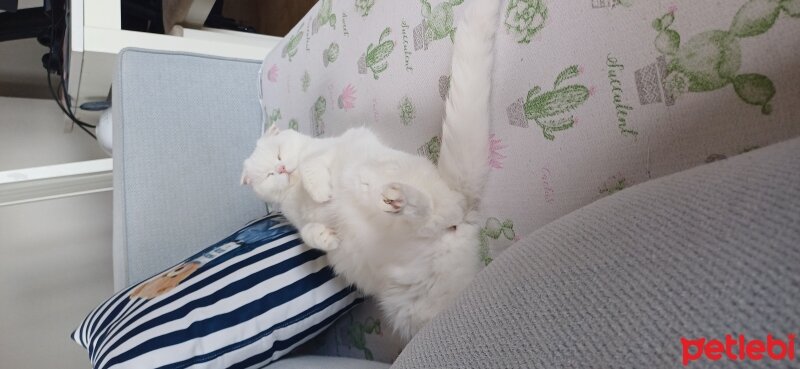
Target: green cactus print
x: 525, y: 18
x: 357, y: 333
x: 493, y: 230
x: 290, y: 49
x: 431, y: 149
x: 439, y: 20
x: 555, y: 103
x: 274, y: 116
x: 376, y: 56
x: 305, y: 81
x: 711, y: 60
x: 614, y: 184
x: 317, y: 111
x: 364, y: 6
x: 330, y: 54
x: 407, y: 110
x: 293, y: 125
x: 325, y: 16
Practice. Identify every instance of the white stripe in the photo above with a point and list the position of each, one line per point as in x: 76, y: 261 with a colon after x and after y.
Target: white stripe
x: 220, y: 307
x: 214, y: 286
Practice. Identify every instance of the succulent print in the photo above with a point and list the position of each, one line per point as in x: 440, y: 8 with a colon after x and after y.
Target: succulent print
x: 431, y: 149
x: 711, y: 60
x: 364, y: 6
x: 293, y: 125
x: 347, y: 98
x: 290, y: 49
x: 306, y: 81
x: 407, y: 110
x: 272, y: 74
x: 330, y: 54
x: 525, y: 18
x: 438, y: 22
x: 493, y: 230
x: 495, y: 157
x: 376, y: 56
x: 557, y: 103
x: 274, y: 116
x: 324, y: 16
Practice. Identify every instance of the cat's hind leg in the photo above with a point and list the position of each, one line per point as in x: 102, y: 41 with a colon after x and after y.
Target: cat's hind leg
x: 399, y: 198
x: 318, y: 236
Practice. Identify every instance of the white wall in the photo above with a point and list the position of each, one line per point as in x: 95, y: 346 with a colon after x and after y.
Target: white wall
x: 55, y: 256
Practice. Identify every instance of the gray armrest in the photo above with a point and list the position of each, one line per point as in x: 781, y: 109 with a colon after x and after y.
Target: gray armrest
x: 183, y: 124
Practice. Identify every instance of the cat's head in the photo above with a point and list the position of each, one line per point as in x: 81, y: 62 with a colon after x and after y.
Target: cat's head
x: 271, y: 168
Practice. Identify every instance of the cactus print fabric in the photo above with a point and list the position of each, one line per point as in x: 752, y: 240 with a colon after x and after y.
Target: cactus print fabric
x: 590, y: 97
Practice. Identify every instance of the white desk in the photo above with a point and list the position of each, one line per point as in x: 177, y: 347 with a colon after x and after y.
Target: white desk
x: 95, y: 37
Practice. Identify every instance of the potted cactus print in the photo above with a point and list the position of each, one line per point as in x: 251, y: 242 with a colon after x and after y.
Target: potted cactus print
x: 330, y: 54
x: 431, y: 149
x: 317, y: 111
x: 290, y: 48
x: 525, y: 18
x: 437, y: 23
x: 375, y: 59
x: 324, y: 16
x: 364, y: 6
x: 493, y: 230
x: 549, y: 109
x: 711, y: 60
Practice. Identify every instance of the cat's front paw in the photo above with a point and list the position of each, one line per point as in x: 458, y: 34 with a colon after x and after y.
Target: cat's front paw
x: 393, y: 200
x: 318, y: 236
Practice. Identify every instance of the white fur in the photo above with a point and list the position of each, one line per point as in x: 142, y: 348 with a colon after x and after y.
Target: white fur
x: 393, y: 223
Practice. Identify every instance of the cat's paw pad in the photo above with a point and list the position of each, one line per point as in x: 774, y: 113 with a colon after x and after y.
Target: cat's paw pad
x: 319, y: 236
x: 392, y: 200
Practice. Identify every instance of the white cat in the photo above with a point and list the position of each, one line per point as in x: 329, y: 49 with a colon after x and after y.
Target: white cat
x: 392, y: 223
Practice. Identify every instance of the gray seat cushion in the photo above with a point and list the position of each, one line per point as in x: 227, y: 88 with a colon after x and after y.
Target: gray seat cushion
x: 704, y: 253
x: 183, y: 124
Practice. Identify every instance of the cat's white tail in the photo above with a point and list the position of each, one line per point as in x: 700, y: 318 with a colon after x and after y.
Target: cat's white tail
x: 464, y: 155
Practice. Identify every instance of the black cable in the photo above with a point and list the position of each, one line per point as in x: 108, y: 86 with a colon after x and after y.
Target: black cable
x: 68, y: 110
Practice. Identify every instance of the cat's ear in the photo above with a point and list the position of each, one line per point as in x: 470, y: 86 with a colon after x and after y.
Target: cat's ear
x: 273, y: 130
x: 245, y: 181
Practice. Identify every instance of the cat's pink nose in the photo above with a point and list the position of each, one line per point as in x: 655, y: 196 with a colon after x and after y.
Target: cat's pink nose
x: 282, y: 169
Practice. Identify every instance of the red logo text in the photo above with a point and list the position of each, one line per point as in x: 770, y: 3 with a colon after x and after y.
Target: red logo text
x: 738, y: 349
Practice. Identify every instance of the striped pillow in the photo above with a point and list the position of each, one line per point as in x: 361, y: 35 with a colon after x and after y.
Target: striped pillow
x: 243, y: 302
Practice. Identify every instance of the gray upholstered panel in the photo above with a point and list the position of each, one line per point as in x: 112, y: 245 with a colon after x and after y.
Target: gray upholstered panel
x: 183, y: 124
x: 707, y: 252
x: 326, y: 362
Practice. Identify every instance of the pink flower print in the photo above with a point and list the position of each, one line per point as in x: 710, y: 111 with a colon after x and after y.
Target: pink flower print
x: 348, y: 98
x: 272, y: 74
x: 672, y: 8
x: 592, y: 90
x: 495, y: 157
x: 580, y: 69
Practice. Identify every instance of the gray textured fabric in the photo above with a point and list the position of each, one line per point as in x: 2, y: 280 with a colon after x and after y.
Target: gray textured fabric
x: 707, y: 252
x: 183, y: 124
x: 325, y: 362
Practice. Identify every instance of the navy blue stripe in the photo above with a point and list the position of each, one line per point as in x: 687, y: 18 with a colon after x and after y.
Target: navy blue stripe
x: 208, y: 280
x: 231, y: 289
x: 91, y: 320
x: 287, y: 343
x: 131, y: 307
x: 110, y: 319
x: 292, y: 320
